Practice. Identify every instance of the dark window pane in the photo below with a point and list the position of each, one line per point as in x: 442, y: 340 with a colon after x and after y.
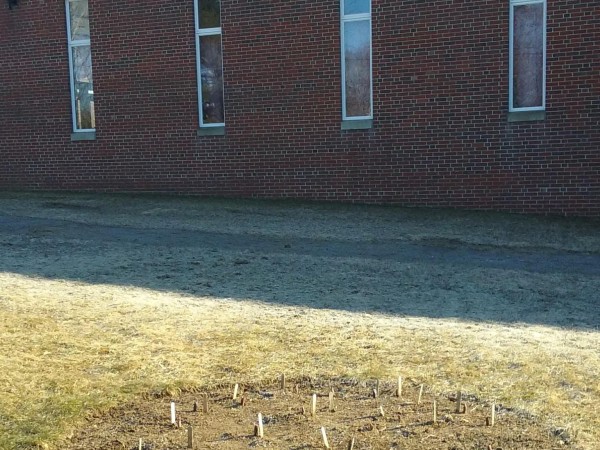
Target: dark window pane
x: 211, y: 74
x: 528, y: 55
x: 357, y: 6
x: 357, y: 58
x: 210, y: 13
x: 80, y: 19
x: 84, y: 88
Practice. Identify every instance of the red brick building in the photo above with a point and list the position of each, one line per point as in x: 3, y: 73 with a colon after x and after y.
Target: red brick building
x: 469, y: 104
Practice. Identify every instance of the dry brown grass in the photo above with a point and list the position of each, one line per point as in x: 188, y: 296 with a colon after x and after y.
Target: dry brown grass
x: 70, y: 348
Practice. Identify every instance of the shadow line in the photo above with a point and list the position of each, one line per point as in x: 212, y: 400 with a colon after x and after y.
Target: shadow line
x: 428, y: 278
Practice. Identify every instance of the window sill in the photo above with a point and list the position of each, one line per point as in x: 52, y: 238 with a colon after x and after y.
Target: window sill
x: 526, y: 116
x: 211, y: 131
x: 357, y: 124
x: 83, y: 136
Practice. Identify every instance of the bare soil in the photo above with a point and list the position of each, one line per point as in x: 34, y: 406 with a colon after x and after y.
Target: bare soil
x: 356, y: 414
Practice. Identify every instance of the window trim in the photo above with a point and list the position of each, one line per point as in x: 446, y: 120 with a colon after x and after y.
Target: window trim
x: 70, y: 45
x: 511, y: 108
x: 199, y: 32
x: 355, y: 18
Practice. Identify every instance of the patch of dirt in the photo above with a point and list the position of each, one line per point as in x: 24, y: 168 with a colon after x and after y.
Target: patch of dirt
x: 374, y: 421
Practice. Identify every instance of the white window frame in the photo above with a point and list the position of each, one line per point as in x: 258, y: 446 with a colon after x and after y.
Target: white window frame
x: 216, y: 31
x: 71, y: 44
x: 511, y: 108
x: 345, y: 18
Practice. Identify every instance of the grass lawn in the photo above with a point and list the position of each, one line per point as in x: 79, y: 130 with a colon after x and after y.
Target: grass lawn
x: 89, y: 322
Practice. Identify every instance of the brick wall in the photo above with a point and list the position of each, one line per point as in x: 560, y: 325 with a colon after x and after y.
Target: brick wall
x: 440, y: 135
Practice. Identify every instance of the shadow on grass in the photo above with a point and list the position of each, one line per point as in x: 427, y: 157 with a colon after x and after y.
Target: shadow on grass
x: 430, y: 277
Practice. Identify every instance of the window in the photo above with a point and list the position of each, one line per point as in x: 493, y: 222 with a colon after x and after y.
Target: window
x: 80, y: 65
x: 209, y: 57
x: 357, y: 87
x: 527, y: 67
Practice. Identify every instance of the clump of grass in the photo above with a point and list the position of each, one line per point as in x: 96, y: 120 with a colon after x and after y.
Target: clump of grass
x: 72, y: 349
